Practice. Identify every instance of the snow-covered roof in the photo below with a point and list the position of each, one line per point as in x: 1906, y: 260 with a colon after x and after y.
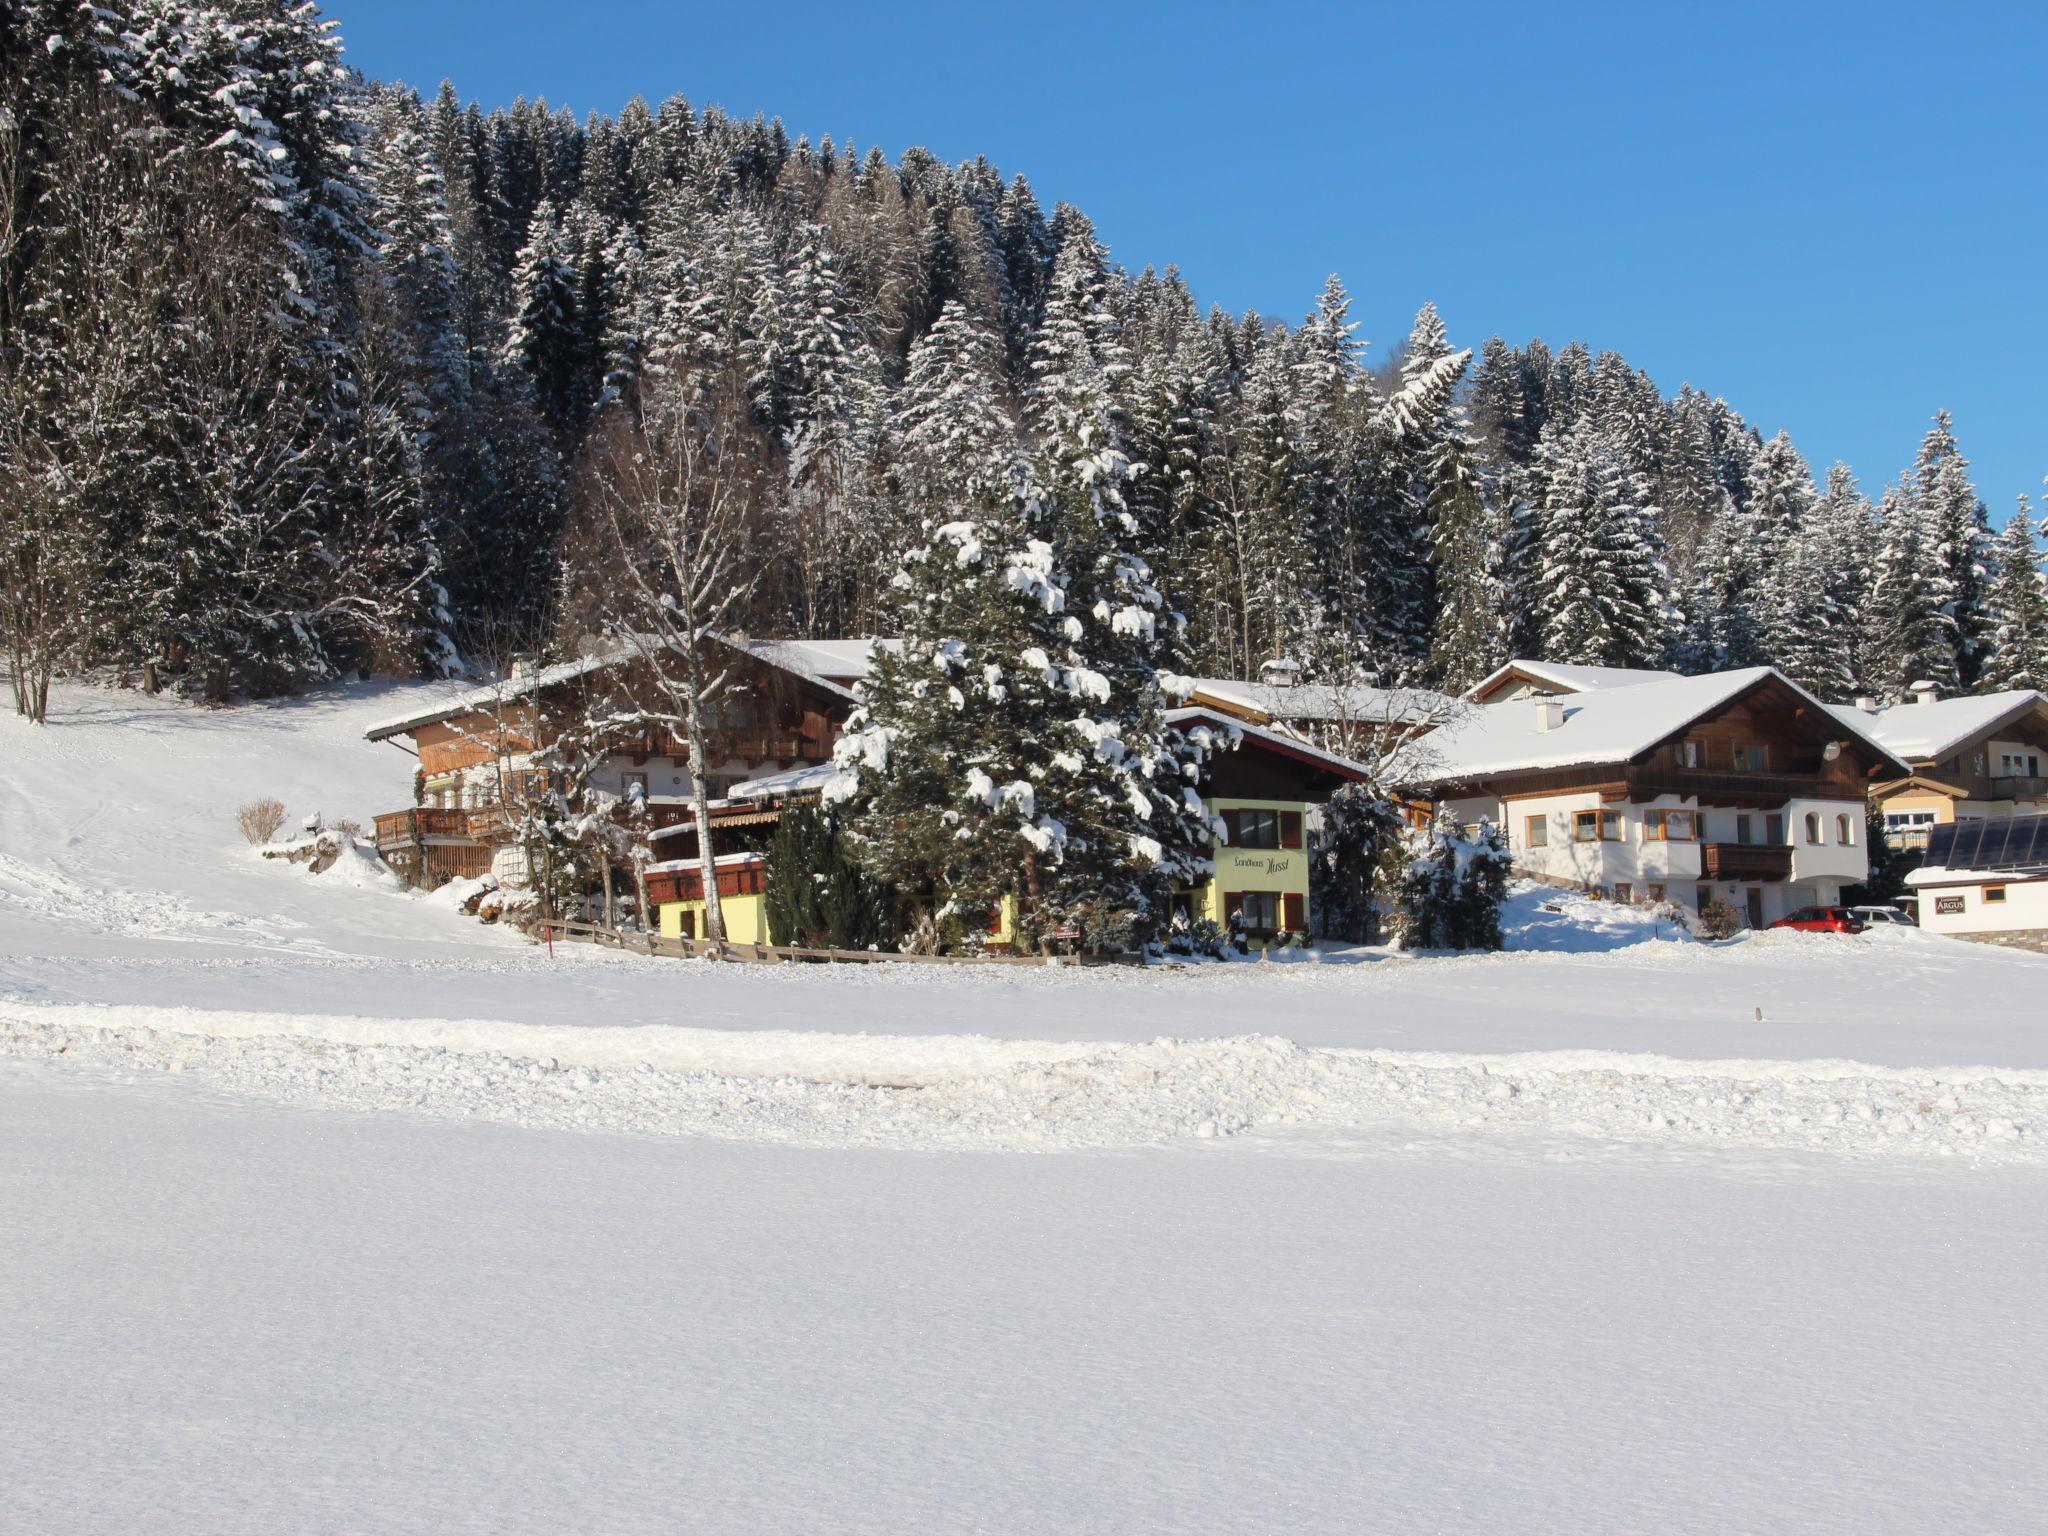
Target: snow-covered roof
x: 508, y: 690
x: 496, y: 695
x: 1322, y: 701
x: 1569, y: 677
x: 1929, y: 732
x: 1603, y: 725
x: 1289, y: 746
x: 780, y: 786
x: 822, y: 659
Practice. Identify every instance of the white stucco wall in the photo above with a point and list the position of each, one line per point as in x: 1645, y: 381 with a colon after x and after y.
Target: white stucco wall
x: 1819, y: 871
x: 2025, y: 907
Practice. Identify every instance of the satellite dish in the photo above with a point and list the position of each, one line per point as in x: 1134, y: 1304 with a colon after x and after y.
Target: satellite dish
x: 1831, y: 751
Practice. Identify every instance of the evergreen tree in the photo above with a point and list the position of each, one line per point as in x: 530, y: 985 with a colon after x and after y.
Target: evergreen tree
x: 2016, y: 609
x: 547, y: 340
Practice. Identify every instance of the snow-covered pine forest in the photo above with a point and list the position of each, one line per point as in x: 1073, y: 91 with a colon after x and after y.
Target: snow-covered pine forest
x: 302, y: 374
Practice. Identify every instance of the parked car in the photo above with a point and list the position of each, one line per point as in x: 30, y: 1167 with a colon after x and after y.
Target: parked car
x: 1821, y: 920
x: 1877, y: 917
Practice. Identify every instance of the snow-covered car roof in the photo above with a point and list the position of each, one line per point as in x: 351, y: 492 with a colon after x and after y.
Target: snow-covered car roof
x: 1928, y: 732
x: 1605, y: 725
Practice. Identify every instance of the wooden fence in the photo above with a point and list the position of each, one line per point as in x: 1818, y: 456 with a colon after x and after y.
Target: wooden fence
x: 772, y: 954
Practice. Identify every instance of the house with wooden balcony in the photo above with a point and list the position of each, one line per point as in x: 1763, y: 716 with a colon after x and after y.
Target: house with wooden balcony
x: 1976, y: 757
x: 1738, y: 787
x: 586, y: 726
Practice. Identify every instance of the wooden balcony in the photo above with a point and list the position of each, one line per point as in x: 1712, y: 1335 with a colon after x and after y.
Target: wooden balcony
x: 1755, y: 790
x: 1745, y: 861
x: 438, y: 824
x: 2019, y: 788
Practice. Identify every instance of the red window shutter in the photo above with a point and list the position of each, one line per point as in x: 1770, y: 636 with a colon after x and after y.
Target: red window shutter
x: 1290, y: 830
x: 1233, y: 903
x: 1297, y: 912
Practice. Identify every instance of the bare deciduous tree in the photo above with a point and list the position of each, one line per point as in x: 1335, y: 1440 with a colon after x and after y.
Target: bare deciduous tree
x: 672, y: 502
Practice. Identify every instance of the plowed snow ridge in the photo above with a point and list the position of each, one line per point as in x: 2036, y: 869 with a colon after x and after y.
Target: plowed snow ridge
x: 961, y: 1091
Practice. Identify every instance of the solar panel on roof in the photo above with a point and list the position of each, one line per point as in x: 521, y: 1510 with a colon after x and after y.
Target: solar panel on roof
x: 2009, y: 842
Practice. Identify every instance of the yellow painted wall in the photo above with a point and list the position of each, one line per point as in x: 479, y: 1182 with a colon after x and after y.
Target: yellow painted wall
x: 1943, y: 806
x: 746, y: 919
x: 1284, y: 870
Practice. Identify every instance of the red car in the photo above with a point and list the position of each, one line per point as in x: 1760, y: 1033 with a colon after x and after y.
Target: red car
x: 1821, y: 920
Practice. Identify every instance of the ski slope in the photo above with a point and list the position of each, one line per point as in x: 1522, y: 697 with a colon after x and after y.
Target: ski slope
x: 323, y: 1208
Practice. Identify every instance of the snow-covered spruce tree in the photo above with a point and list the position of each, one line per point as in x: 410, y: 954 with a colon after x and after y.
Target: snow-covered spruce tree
x: 1469, y: 549
x: 1482, y: 888
x: 1956, y: 531
x: 1352, y: 837
x: 1602, y: 582
x: 1821, y: 592
x: 2016, y: 605
x: 1450, y: 892
x: 1124, y: 784
x: 1426, y: 896
x: 819, y: 895
x: 944, y: 759
x: 955, y: 437
x: 1912, y: 613
x: 546, y: 340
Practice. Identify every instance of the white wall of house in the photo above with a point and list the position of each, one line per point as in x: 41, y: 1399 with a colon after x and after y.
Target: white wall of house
x: 1638, y: 859
x: 2025, y: 906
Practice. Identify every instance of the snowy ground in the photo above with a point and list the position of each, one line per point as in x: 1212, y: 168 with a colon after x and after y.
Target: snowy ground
x: 322, y: 1208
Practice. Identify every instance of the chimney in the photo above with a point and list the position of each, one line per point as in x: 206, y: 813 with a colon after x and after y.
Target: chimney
x: 1549, y: 711
x: 523, y: 668
x: 1924, y: 691
x: 1867, y: 702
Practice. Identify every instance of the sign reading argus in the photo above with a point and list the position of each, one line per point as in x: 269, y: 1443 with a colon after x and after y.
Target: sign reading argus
x: 1948, y: 903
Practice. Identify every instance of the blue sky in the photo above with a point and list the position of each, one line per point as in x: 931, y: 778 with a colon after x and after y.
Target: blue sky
x: 1832, y: 215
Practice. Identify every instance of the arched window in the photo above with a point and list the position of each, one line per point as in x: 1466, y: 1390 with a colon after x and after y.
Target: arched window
x: 1845, y: 831
x: 1813, y: 826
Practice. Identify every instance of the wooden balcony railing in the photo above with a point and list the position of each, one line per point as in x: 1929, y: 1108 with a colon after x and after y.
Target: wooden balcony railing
x: 1745, y: 861
x: 1726, y: 788
x: 2019, y: 788
x: 439, y: 823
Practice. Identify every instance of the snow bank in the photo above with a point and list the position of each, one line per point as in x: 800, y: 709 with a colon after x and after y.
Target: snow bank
x: 972, y: 1092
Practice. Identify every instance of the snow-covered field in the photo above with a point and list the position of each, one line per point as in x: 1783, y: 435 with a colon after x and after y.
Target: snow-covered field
x: 323, y: 1208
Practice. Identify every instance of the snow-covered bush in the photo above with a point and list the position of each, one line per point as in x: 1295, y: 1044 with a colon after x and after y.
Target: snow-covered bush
x: 260, y: 819
x: 1198, y: 938
x: 1718, y: 920
x: 1452, y: 888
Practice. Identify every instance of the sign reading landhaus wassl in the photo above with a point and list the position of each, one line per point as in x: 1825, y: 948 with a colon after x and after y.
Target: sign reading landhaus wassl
x: 1242, y: 863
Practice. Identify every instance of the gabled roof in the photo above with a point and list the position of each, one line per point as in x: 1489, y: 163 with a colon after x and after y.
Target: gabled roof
x: 822, y: 659
x: 511, y: 690
x: 1569, y: 677
x: 1605, y: 725
x: 1291, y: 747
x: 1318, y: 701
x: 1929, y: 732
